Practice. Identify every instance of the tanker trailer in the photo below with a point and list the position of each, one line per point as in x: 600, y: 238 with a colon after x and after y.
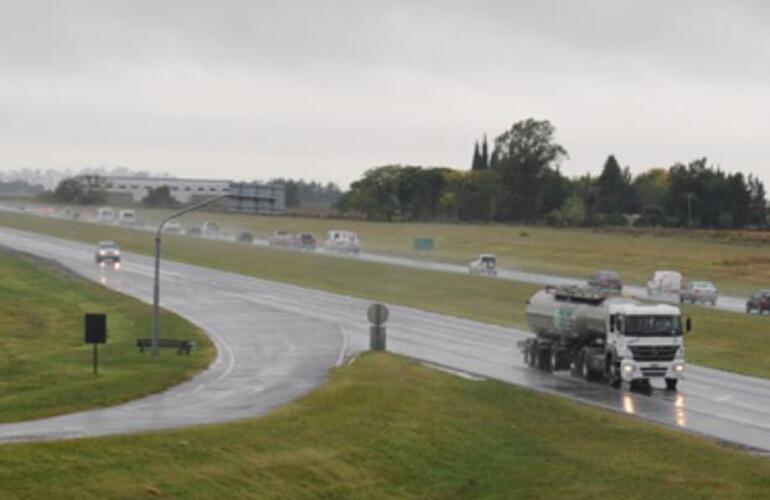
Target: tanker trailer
x: 602, y: 336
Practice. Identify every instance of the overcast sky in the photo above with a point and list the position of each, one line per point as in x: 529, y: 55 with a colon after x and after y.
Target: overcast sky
x: 326, y: 89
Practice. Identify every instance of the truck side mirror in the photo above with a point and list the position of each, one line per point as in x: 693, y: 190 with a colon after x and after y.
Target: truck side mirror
x: 688, y: 324
x: 612, y: 322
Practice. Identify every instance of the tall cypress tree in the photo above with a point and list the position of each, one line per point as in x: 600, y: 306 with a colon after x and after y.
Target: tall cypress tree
x: 484, y: 154
x: 476, y: 165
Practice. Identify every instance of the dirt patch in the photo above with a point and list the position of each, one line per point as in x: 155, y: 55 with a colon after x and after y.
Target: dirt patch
x: 744, y: 261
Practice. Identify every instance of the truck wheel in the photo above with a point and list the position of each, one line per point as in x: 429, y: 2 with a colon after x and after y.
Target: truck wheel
x: 671, y: 384
x: 531, y: 356
x: 544, y: 361
x: 613, y: 372
x: 555, y: 360
x: 585, y: 369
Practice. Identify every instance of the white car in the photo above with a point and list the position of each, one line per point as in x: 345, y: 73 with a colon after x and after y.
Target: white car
x: 665, y: 283
x: 485, y: 264
x: 105, y: 214
x: 173, y: 226
x: 341, y: 241
x: 127, y: 217
x: 107, y: 251
x: 281, y: 239
x: 210, y: 229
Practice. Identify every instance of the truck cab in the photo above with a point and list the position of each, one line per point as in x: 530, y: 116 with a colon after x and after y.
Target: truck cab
x: 645, y: 342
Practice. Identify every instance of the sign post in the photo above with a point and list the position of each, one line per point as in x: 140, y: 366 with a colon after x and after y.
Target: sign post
x: 378, y: 316
x: 96, y: 333
x: 423, y: 245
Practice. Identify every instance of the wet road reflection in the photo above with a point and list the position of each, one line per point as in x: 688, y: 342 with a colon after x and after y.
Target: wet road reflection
x: 628, y: 404
x: 681, y: 415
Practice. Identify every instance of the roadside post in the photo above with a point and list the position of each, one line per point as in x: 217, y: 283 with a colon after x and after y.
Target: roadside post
x: 378, y: 316
x: 95, y: 334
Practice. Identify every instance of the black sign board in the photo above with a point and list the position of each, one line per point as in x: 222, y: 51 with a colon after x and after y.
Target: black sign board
x: 96, y: 328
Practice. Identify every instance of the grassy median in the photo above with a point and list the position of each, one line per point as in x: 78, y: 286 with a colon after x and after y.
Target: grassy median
x: 737, y: 261
x: 729, y: 341
x: 45, y: 369
x: 386, y: 427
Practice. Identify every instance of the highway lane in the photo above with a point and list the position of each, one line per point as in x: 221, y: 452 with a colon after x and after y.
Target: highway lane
x: 277, y: 341
x: 725, y: 302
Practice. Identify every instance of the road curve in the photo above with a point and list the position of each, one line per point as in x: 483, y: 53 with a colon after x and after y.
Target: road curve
x: 277, y: 341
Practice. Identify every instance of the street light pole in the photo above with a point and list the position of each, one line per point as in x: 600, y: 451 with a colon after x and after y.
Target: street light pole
x: 156, y: 280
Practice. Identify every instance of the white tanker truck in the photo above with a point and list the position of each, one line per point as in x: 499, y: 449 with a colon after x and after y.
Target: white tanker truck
x: 603, y: 336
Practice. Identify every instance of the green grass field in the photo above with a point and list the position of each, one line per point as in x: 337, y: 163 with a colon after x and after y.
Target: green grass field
x: 729, y: 341
x: 45, y: 369
x: 386, y: 427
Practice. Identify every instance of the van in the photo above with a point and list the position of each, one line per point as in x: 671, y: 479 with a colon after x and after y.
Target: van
x: 665, y: 283
x: 342, y: 241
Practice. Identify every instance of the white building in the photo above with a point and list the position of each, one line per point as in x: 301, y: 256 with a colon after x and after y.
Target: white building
x: 247, y: 197
x: 183, y: 190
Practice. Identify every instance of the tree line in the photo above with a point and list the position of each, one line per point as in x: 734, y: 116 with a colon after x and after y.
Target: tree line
x: 520, y: 181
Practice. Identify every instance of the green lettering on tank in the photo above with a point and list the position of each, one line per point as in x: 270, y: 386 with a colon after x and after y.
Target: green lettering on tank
x: 562, y: 318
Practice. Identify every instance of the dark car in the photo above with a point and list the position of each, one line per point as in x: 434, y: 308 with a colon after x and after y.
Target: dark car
x: 245, y: 237
x: 306, y: 241
x: 759, y: 302
x: 607, y: 280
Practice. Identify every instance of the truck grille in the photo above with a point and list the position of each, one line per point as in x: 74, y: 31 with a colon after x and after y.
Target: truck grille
x: 653, y: 352
x: 654, y: 372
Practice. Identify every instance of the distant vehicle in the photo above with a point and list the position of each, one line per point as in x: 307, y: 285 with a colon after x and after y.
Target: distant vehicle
x: 341, y: 241
x: 105, y: 214
x: 305, y: 241
x: 127, y: 217
x: 280, y: 239
x: 107, y: 251
x: 759, y: 302
x: 703, y: 292
x: 485, y: 263
x: 173, y: 227
x: 194, y: 231
x: 607, y: 280
x: 245, y: 237
x: 210, y: 229
x: 665, y: 283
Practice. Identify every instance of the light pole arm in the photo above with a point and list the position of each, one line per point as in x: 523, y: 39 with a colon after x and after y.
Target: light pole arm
x: 156, y: 280
x: 196, y: 206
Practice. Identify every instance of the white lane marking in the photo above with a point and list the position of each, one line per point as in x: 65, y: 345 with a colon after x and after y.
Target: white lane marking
x: 344, y: 348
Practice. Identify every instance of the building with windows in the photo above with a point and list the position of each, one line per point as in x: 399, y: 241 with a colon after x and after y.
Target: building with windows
x: 249, y: 197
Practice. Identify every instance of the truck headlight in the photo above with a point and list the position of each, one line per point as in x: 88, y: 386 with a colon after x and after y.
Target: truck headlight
x: 679, y: 367
x: 628, y: 368
x: 102, y: 252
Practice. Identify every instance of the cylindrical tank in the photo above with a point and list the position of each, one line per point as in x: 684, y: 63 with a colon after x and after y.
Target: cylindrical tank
x: 567, y: 313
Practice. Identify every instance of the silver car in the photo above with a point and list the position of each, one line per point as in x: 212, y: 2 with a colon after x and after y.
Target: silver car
x: 703, y: 292
x: 108, y: 251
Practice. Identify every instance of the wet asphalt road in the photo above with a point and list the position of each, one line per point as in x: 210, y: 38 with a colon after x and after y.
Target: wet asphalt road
x: 277, y: 342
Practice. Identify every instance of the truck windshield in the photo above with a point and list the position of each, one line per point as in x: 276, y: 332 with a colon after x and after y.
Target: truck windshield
x: 652, y: 326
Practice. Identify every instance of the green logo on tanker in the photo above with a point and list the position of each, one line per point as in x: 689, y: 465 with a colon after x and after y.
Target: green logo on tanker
x: 562, y: 317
